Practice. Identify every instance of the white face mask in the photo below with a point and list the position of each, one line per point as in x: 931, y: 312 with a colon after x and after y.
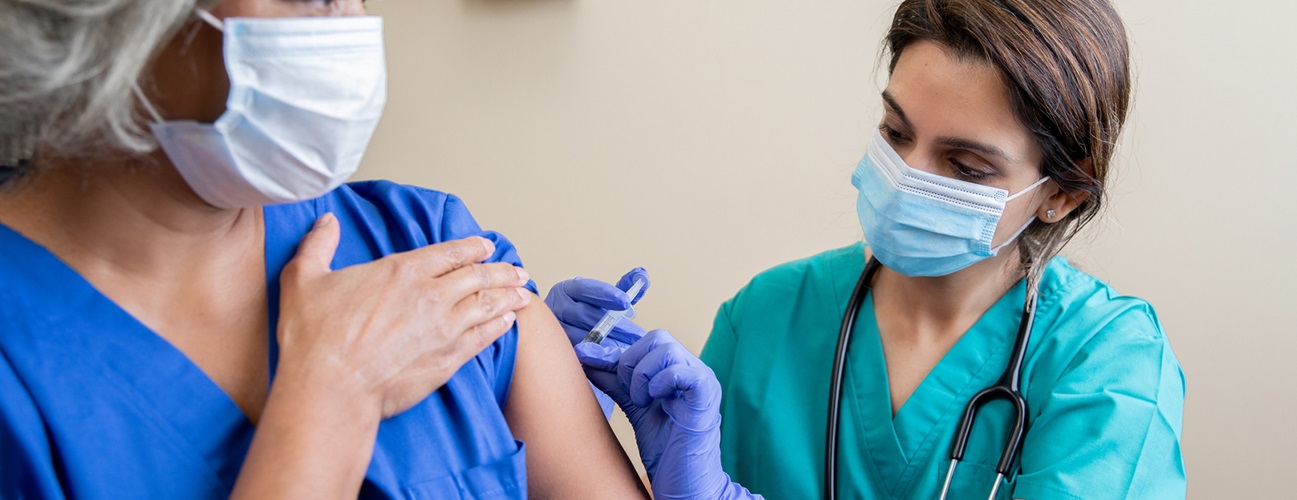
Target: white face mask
x: 305, y: 97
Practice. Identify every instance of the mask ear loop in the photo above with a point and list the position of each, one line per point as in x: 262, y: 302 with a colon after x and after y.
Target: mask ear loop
x: 996, y: 250
x: 148, y: 106
x: 1027, y: 189
x: 210, y: 19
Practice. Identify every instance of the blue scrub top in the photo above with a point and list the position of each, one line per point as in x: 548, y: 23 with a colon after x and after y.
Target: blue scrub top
x: 1104, y: 393
x: 93, y: 404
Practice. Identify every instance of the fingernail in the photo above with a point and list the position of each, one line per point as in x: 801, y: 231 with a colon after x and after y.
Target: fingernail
x: 510, y: 317
x: 522, y: 275
x: 323, y: 220
x: 490, y: 247
x: 524, y: 294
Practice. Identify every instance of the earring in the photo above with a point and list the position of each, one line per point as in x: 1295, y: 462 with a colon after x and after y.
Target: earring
x: 1050, y: 214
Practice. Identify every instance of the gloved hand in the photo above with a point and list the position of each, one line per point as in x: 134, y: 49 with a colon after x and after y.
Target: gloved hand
x: 673, y: 401
x: 579, y: 303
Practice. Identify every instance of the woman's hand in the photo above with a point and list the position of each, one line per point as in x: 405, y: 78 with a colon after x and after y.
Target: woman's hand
x: 390, y: 332
x: 362, y: 344
x: 673, y: 401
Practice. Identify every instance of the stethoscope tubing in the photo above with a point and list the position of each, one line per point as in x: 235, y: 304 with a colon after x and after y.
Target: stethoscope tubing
x: 1007, y: 387
x: 839, y: 365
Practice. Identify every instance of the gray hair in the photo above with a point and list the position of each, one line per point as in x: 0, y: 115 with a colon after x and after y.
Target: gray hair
x: 67, y: 70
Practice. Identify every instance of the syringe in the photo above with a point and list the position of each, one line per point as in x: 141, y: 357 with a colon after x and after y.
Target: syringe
x: 610, y: 318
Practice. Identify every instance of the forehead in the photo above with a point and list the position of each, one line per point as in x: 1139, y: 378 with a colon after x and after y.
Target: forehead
x: 947, y: 96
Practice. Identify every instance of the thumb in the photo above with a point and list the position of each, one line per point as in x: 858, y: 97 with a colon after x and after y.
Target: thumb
x: 315, y: 252
x: 598, y: 357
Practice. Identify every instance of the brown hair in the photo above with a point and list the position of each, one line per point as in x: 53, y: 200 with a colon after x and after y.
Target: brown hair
x: 1066, y: 65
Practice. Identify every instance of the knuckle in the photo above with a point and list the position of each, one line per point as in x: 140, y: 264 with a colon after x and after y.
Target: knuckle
x: 455, y: 253
x: 501, y: 326
x: 486, y: 301
x: 402, y: 268
x: 481, y: 273
x: 433, y: 295
x: 478, y: 337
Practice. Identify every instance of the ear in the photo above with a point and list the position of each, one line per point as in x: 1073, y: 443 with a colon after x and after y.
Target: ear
x: 1061, y: 203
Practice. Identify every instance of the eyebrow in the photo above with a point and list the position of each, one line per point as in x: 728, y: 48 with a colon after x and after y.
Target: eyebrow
x: 953, y: 142
x: 891, y: 103
x: 986, y: 149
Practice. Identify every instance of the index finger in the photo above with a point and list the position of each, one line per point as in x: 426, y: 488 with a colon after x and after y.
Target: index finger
x: 596, y: 293
x: 631, y: 358
x: 437, y: 260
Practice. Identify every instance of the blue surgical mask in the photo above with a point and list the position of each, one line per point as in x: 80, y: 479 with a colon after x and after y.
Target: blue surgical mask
x: 922, y: 224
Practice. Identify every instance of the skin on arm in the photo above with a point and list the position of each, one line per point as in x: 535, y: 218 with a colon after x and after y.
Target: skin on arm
x: 571, y: 450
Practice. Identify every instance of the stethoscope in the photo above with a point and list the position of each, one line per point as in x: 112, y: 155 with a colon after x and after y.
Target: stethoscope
x: 1005, y: 388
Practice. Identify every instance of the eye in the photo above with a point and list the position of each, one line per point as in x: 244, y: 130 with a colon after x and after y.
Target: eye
x: 966, y: 172
x: 892, y: 135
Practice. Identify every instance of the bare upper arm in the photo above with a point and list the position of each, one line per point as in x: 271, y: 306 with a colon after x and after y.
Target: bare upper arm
x: 571, y: 451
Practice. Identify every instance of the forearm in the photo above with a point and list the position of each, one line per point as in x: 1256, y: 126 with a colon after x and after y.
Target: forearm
x: 311, y: 442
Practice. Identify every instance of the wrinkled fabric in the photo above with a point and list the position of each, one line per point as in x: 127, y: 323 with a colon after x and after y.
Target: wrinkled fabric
x: 93, y: 404
x: 1104, y: 393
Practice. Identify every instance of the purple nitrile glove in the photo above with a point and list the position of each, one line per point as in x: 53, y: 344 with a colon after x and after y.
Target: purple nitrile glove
x: 673, y: 402
x: 579, y: 303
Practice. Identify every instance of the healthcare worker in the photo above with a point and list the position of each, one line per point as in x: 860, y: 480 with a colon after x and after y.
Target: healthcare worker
x: 995, y: 147
x: 221, y: 315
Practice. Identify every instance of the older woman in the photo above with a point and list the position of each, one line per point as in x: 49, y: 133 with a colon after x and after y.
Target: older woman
x: 222, y: 316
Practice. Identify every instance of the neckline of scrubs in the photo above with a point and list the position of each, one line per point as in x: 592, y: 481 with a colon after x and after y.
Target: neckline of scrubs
x: 909, y: 440
x: 170, y: 385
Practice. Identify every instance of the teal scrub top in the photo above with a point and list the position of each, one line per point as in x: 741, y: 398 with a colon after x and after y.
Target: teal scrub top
x: 1104, y: 393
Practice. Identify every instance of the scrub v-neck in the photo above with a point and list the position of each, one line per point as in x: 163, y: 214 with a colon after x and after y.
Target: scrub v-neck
x: 198, y: 414
x: 898, y: 446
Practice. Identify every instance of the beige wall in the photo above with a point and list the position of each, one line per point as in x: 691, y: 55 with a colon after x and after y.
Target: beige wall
x: 708, y: 140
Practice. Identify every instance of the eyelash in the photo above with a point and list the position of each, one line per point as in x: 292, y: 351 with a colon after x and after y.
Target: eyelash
x: 892, y: 134
x: 960, y: 169
x: 967, y: 172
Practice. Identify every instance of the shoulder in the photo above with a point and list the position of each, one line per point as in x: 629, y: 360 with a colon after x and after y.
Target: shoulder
x: 1106, y: 394
x: 383, y: 217
x: 1087, y: 330
x: 440, y: 216
x: 1092, y: 308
